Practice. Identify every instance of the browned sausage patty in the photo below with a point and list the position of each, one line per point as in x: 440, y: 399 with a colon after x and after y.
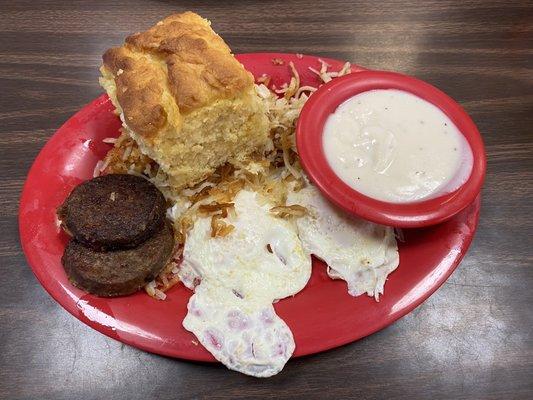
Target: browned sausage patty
x: 113, y: 211
x: 118, y: 272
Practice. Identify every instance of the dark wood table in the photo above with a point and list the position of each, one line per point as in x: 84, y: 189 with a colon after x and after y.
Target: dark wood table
x: 471, y: 339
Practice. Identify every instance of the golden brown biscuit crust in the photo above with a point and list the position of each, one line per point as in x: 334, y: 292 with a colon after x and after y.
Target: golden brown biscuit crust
x: 181, y: 56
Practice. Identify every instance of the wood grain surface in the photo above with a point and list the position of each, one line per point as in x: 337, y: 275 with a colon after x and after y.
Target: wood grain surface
x: 471, y: 339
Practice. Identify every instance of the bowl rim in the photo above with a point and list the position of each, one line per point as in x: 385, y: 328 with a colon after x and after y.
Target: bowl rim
x: 426, y: 212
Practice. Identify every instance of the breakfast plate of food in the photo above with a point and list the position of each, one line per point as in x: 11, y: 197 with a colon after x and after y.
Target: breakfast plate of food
x: 249, y: 208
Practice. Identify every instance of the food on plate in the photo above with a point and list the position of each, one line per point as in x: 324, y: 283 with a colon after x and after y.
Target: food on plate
x: 246, y: 220
x: 394, y: 146
x: 113, y: 211
x: 241, y: 275
x: 184, y: 98
x: 125, y: 158
x: 118, y: 272
x: 121, y: 241
x: 238, y: 234
x: 357, y: 251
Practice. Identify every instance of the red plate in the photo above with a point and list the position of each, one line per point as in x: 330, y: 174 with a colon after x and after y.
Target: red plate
x: 322, y: 316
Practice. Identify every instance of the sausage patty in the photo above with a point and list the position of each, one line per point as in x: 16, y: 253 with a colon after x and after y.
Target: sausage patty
x: 113, y: 211
x: 118, y: 272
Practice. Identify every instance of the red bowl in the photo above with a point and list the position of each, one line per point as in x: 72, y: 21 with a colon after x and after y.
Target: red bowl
x: 432, y: 211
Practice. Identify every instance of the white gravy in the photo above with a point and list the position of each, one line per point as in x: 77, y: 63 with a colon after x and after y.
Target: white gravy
x: 393, y: 146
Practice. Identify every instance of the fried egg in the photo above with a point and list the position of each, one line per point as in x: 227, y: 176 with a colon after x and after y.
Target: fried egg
x: 357, y: 251
x: 262, y: 260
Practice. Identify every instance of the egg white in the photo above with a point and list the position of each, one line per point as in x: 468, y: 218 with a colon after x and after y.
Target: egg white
x: 357, y: 251
x: 240, y: 276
